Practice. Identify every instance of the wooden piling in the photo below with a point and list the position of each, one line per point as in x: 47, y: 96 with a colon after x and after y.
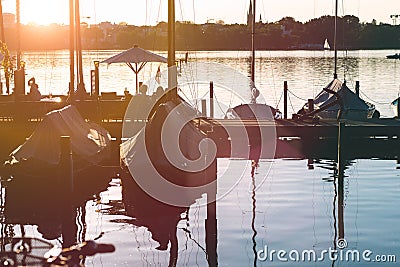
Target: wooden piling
x: 398, y: 108
x: 203, y: 108
x: 340, y: 192
x: 340, y: 176
x: 211, y: 99
x: 95, y: 82
x: 211, y: 221
x: 357, y: 88
x: 66, y: 164
x: 340, y: 152
x: 310, y: 105
x: 66, y: 178
x: 340, y: 147
x: 285, y: 99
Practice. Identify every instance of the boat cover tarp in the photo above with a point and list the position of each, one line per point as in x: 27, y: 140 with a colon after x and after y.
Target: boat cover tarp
x: 87, y: 139
x: 152, y: 154
x: 255, y: 111
x: 350, y: 100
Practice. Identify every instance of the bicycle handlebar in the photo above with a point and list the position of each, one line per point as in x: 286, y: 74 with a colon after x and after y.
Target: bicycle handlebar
x: 88, y: 248
x: 22, y: 250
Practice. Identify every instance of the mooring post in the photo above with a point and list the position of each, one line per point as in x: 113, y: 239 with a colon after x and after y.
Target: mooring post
x: 341, y: 203
x: 340, y: 176
x: 66, y: 164
x: 211, y: 99
x: 66, y: 182
x: 398, y: 107
x: 95, y: 81
x: 340, y: 147
x: 358, y: 88
x: 203, y: 108
x: 285, y: 99
x: 210, y: 181
x: 310, y: 105
x: 211, y: 221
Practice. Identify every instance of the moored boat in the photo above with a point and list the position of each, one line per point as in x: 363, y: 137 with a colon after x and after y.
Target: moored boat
x: 394, y: 56
x: 40, y: 155
x: 336, y: 101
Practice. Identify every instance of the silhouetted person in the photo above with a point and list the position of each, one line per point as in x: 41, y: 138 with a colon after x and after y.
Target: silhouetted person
x: 143, y: 89
x: 159, y: 92
x: 34, y: 92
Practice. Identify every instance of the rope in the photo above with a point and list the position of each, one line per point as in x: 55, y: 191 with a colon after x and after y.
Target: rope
x: 280, y: 98
x: 297, y: 96
x: 215, y: 96
x: 376, y: 102
x: 291, y: 104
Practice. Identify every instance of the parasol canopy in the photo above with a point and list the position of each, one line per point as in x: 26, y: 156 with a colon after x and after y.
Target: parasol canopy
x: 136, y: 58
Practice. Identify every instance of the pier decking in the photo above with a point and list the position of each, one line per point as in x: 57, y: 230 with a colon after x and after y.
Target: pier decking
x: 18, y: 119
x: 308, y: 136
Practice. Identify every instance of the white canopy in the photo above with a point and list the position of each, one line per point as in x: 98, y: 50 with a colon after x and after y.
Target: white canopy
x: 139, y: 57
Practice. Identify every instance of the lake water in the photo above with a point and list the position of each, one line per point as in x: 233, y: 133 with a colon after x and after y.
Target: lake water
x: 291, y: 205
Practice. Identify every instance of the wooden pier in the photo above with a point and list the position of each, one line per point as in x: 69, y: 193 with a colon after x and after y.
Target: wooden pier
x: 301, y: 138
x: 18, y: 119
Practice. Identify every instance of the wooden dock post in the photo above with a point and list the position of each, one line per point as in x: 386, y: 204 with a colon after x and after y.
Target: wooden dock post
x: 66, y: 182
x: 19, y: 84
x: 340, y: 192
x: 340, y: 147
x: 398, y: 108
x: 341, y: 161
x: 211, y: 221
x: 66, y: 164
x: 210, y: 179
x: 203, y: 108
x: 285, y: 99
x: 357, y: 88
x: 211, y: 99
x: 95, y: 81
x: 310, y: 105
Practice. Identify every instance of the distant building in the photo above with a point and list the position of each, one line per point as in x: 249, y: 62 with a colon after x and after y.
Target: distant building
x: 250, y: 15
x: 286, y: 31
x: 8, y: 20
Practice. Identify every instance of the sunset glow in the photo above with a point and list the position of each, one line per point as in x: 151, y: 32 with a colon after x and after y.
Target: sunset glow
x: 150, y: 12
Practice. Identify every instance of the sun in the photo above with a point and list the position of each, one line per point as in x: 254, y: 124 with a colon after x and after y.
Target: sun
x: 44, y: 12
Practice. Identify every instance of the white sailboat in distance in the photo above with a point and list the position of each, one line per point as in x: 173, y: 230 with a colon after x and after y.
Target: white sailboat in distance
x: 326, y: 45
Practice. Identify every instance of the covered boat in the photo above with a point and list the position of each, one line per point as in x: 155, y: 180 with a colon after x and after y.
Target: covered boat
x: 336, y: 100
x: 254, y: 111
x: 394, y: 56
x: 394, y: 106
x: 166, y: 158
x: 40, y: 154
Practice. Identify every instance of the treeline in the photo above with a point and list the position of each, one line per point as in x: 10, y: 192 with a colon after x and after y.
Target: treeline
x: 284, y: 34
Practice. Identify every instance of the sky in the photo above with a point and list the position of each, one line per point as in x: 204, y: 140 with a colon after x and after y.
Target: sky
x: 150, y: 12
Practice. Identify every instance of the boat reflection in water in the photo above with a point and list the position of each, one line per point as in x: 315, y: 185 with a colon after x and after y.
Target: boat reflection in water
x: 187, y: 235
x: 159, y: 218
x: 43, y: 201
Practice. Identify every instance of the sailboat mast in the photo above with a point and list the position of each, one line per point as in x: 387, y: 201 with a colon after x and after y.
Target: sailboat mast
x: 335, y: 39
x: 79, y: 72
x: 3, y: 40
x: 172, y: 69
x: 253, y: 51
x: 18, y: 15
x: 71, y: 47
x: 3, y: 37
